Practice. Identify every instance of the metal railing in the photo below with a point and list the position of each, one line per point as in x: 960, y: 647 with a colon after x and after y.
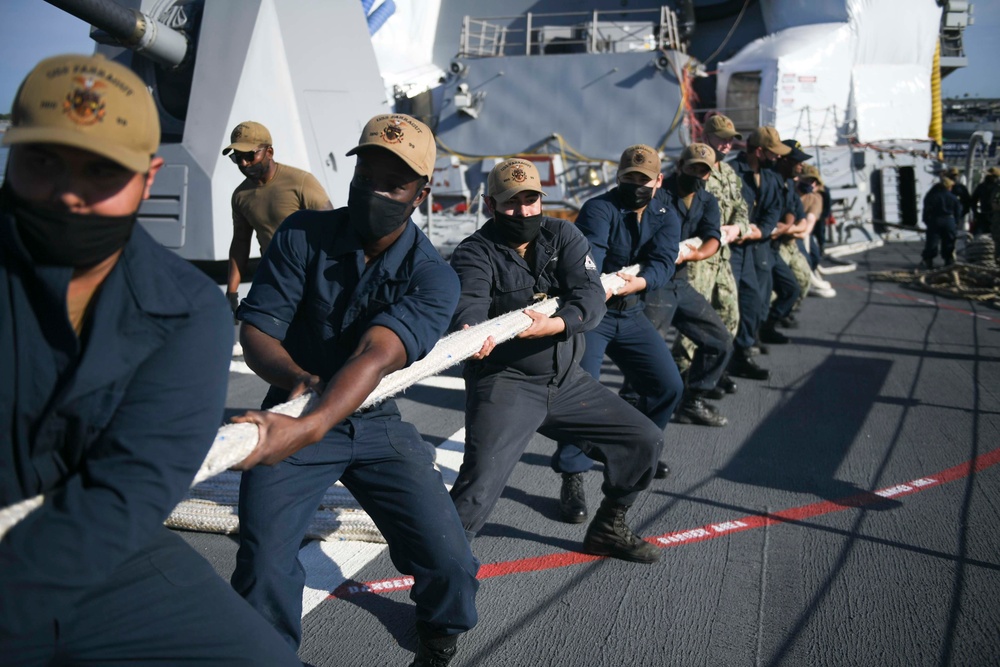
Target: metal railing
x: 610, y: 31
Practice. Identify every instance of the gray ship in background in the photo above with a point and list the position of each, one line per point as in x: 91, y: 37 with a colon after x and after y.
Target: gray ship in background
x: 566, y: 83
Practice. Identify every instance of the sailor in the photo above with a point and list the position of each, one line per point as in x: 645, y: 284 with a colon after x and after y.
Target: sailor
x: 960, y: 191
x: 341, y: 299
x: 752, y: 259
x: 942, y: 210
x: 986, y: 200
x: 534, y: 382
x: 713, y: 277
x: 270, y: 193
x: 811, y: 191
x: 114, y: 354
x: 628, y: 226
x: 790, y: 270
x: 677, y: 303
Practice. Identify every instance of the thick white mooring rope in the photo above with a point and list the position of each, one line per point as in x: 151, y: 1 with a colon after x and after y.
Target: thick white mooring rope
x: 234, y: 442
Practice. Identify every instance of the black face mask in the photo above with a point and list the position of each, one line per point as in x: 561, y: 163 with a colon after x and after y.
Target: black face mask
x: 60, y: 238
x: 719, y: 155
x: 374, y: 216
x: 634, y: 196
x: 518, y: 230
x: 254, y: 172
x: 689, y: 184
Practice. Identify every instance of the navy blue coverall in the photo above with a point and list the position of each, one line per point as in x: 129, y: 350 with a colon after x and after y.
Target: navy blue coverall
x: 112, y: 426
x: 536, y: 385
x: 752, y: 260
x: 678, y: 303
x: 618, y: 239
x: 314, y: 293
x: 942, y: 211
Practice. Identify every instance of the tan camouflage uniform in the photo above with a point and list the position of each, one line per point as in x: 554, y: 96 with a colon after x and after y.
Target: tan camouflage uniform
x: 713, y: 277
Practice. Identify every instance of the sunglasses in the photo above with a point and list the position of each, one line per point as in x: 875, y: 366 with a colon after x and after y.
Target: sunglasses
x: 249, y: 156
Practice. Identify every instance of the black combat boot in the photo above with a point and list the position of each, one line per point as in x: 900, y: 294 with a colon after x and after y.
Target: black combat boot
x: 435, y: 651
x: 742, y: 366
x: 609, y: 535
x: 694, y: 410
x: 770, y: 334
x: 572, y: 500
x: 788, y: 322
x: 715, y: 393
x: 726, y: 384
x: 662, y: 470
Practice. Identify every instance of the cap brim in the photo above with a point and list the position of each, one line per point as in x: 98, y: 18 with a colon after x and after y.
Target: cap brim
x: 136, y: 161
x: 644, y: 172
x: 780, y: 150
x: 240, y: 147
x: 724, y: 134
x: 409, y: 163
x: 507, y: 194
x: 704, y: 163
x: 800, y: 156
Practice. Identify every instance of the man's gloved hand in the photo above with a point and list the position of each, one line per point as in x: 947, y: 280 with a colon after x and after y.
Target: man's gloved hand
x: 234, y: 302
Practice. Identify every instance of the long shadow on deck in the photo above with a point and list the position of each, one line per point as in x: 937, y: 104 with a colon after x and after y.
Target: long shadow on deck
x: 801, y: 444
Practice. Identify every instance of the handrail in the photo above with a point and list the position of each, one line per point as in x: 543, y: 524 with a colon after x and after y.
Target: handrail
x: 603, y: 31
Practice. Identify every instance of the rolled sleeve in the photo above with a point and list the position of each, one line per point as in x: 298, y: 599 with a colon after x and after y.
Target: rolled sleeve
x: 279, y: 284
x: 422, y: 315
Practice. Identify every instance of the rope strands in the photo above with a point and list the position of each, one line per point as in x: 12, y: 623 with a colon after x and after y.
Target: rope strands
x: 234, y: 442
x: 958, y: 281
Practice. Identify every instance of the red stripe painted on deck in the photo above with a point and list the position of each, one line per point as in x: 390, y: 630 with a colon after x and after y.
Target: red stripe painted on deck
x: 918, y: 299
x: 706, y: 532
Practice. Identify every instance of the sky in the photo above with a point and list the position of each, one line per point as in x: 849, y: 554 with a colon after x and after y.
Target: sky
x: 33, y: 29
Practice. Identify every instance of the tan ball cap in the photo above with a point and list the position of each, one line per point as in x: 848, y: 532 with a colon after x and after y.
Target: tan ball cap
x: 641, y: 158
x: 513, y: 176
x: 810, y: 171
x: 697, y: 154
x: 767, y: 137
x: 87, y: 102
x: 722, y: 127
x: 407, y: 137
x: 247, y: 136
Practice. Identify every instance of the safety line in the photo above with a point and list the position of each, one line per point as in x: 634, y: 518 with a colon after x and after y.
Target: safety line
x: 703, y: 533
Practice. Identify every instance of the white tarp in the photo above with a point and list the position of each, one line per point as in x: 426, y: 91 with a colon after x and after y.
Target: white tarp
x: 868, y: 76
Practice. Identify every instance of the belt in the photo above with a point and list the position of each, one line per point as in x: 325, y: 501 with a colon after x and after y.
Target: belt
x: 620, y: 303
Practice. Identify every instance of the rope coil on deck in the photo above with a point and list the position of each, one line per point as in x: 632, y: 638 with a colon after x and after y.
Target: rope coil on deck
x: 234, y: 442
x: 977, y: 279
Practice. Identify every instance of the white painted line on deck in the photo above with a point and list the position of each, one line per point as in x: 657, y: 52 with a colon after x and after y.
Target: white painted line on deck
x: 240, y: 367
x: 443, y: 382
x: 330, y: 564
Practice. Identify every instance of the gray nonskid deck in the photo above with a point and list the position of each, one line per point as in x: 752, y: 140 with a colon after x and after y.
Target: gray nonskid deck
x: 882, y: 389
